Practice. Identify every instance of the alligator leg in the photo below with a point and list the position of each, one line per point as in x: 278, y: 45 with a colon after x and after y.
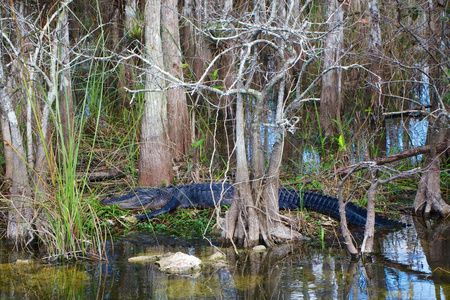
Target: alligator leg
x: 171, y: 206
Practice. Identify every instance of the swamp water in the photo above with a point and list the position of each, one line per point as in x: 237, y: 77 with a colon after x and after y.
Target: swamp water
x: 412, y: 263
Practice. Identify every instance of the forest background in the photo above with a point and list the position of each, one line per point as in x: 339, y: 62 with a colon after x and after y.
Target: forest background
x: 310, y: 92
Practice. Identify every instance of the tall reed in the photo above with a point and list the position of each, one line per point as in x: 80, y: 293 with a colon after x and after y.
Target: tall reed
x: 75, y: 231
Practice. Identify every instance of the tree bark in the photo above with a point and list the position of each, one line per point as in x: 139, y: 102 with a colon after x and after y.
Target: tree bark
x: 131, y: 15
x: 242, y: 221
x: 369, y: 232
x: 20, y: 215
x: 428, y: 197
x: 65, y: 99
x: 177, y: 110
x: 344, y: 227
x: 330, y: 100
x: 374, y: 92
x: 8, y: 151
x: 273, y: 228
x: 131, y: 30
x: 155, y: 162
x: 195, y: 47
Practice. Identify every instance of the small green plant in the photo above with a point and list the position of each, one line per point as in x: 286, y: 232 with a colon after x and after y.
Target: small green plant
x: 198, y: 146
x: 322, y: 237
x: 214, y: 74
x: 341, y: 141
x: 363, y: 201
x: 321, y: 138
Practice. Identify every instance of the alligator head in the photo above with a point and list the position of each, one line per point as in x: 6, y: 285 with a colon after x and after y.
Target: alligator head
x: 142, y: 199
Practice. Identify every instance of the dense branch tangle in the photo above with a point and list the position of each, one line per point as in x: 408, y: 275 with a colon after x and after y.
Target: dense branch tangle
x: 256, y: 80
x: 263, y: 51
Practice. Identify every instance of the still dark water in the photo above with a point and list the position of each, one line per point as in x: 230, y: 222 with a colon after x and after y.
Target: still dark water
x: 412, y: 263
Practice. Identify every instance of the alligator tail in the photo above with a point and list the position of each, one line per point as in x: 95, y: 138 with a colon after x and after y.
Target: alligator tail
x: 328, y: 205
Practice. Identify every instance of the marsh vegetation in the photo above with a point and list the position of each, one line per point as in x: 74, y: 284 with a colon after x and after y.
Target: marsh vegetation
x: 310, y: 95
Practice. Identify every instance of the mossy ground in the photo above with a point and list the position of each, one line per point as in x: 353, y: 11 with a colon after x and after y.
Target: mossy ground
x: 186, y: 223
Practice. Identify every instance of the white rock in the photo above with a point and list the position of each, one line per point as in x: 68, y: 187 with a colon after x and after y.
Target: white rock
x: 24, y: 261
x: 143, y: 258
x: 179, y: 263
x: 218, y: 256
x: 259, y: 248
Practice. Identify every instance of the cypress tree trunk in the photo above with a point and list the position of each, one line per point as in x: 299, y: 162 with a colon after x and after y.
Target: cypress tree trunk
x: 177, y: 110
x: 155, y: 162
x: 330, y: 100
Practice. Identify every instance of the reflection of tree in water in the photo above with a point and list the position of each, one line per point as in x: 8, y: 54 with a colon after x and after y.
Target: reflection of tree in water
x: 258, y: 275
x: 435, y: 240
x: 120, y: 279
x: 310, y: 273
x: 294, y: 271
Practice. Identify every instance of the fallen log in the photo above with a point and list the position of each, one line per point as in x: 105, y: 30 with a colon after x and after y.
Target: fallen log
x: 100, y: 175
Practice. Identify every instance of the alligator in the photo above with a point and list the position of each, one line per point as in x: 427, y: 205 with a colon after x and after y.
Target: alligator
x: 203, y: 195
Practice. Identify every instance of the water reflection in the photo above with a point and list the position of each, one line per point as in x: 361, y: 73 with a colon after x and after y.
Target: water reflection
x: 418, y: 259
x: 409, y: 266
